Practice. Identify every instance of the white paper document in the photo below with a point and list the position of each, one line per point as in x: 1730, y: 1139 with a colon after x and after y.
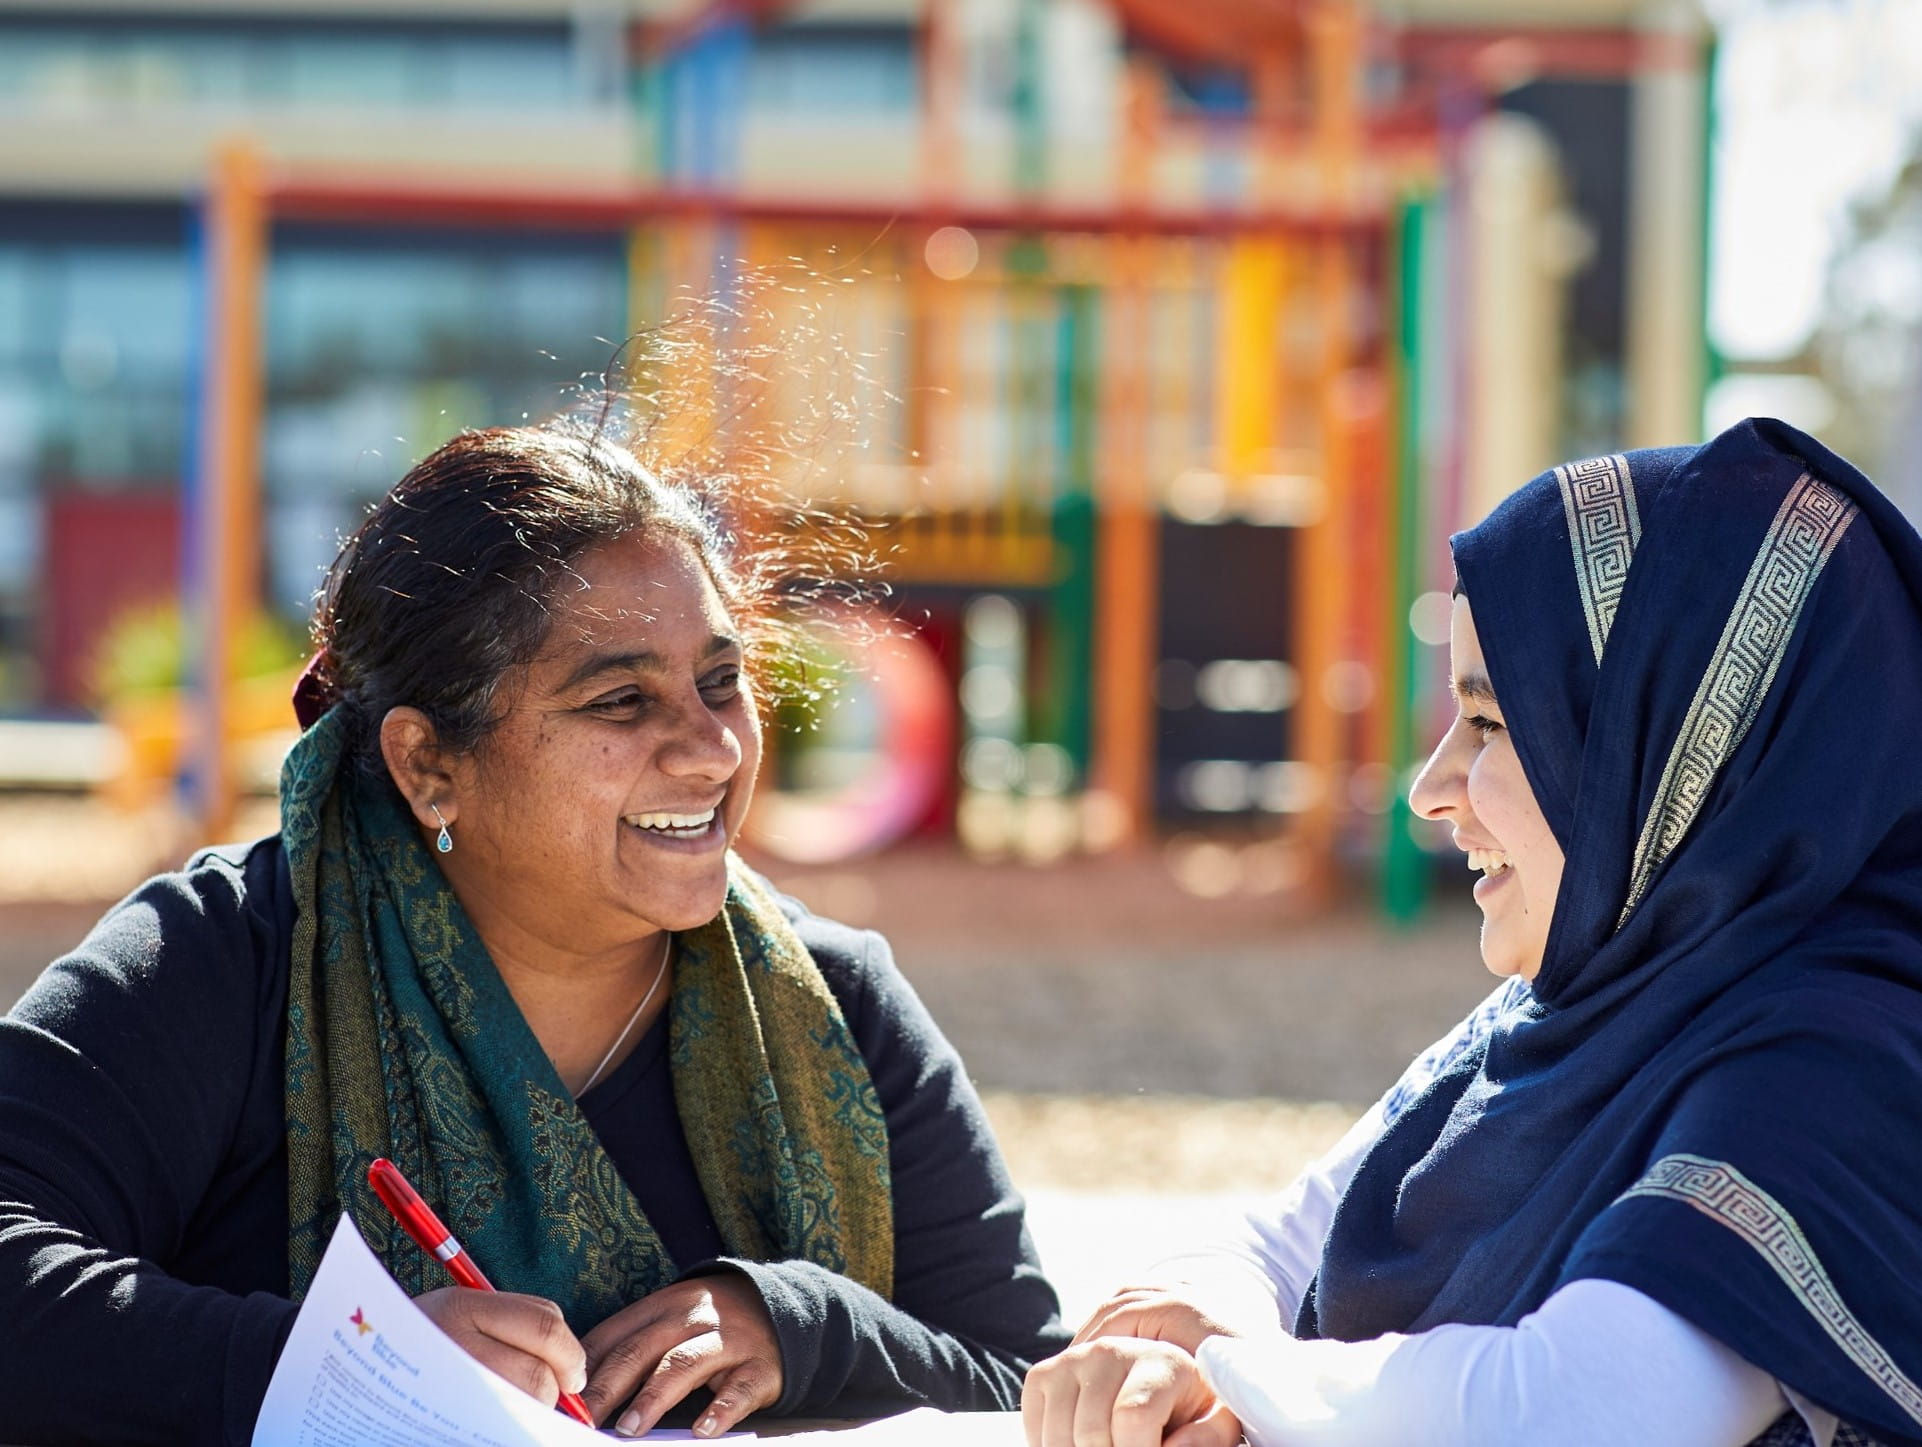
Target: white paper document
x: 365, y: 1368
x: 924, y: 1427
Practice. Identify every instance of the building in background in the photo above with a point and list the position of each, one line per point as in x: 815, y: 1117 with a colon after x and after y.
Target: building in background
x: 1205, y: 321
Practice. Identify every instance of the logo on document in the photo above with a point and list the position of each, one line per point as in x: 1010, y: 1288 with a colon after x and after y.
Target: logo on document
x: 361, y: 1324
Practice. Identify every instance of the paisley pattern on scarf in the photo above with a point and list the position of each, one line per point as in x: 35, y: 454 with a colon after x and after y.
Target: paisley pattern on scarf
x: 403, y: 1041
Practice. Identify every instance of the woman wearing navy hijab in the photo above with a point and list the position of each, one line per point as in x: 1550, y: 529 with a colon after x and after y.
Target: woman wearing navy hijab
x: 1665, y: 1186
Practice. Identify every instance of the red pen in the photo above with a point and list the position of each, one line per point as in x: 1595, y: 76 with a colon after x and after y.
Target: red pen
x: 418, y: 1220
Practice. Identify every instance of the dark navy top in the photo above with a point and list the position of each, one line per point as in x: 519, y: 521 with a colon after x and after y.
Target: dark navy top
x: 143, y: 1184
x: 633, y: 1112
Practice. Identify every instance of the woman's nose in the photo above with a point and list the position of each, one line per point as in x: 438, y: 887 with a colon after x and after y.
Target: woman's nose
x: 703, y: 745
x: 1441, y: 785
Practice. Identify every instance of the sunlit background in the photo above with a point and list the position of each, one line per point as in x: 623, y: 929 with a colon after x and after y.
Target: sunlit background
x: 1188, y: 329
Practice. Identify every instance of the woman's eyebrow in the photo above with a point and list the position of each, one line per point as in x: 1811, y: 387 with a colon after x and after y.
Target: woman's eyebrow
x: 628, y: 661
x: 1475, y: 686
x: 636, y: 660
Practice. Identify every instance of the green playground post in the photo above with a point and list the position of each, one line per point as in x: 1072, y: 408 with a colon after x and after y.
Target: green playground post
x: 1403, y: 871
x: 1072, y: 591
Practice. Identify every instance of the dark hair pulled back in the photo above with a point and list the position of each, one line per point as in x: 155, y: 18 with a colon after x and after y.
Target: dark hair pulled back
x: 451, y: 581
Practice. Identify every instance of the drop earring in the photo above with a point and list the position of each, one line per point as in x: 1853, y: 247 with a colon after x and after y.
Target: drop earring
x: 443, y: 841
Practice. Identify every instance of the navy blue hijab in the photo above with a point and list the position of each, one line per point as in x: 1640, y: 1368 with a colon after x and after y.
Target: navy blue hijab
x: 1710, y: 660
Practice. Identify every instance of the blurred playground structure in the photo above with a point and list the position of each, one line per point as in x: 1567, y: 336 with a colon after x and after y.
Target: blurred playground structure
x: 1200, y: 324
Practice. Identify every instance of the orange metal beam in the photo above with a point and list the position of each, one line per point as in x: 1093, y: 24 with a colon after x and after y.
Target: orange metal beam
x: 236, y: 242
x: 1218, y: 32
x: 409, y: 201
x: 1236, y: 33
x: 942, y: 80
x: 1128, y: 564
x: 1322, y: 611
x: 1211, y: 31
x: 1501, y: 58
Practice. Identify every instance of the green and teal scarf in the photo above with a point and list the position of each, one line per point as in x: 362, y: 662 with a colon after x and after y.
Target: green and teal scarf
x: 403, y: 1041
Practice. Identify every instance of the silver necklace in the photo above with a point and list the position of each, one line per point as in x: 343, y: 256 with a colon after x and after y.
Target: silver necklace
x: 660, y: 973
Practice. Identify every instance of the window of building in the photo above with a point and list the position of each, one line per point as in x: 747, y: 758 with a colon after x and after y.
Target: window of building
x: 836, y: 69
x: 111, y: 61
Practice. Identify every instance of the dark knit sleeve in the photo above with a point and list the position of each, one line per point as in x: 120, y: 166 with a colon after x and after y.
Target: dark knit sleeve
x: 124, y: 1075
x: 971, y: 1309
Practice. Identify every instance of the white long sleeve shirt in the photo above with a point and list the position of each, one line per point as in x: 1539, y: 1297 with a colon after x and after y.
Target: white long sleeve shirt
x: 1598, y: 1363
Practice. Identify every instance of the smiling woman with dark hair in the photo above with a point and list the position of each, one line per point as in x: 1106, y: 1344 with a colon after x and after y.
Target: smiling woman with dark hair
x: 709, y: 1140
x: 1661, y: 1188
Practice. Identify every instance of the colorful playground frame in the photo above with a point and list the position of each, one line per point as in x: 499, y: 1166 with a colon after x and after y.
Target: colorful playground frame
x: 1083, y: 292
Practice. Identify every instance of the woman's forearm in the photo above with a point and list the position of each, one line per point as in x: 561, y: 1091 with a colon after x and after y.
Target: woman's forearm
x: 125, y: 1079
x: 848, y: 1352
x: 103, y: 1348
x: 1599, y: 1364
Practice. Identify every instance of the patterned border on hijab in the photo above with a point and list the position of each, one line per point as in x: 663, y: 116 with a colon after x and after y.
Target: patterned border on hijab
x: 1603, y: 528
x: 1807, y: 528
x: 1725, y: 1195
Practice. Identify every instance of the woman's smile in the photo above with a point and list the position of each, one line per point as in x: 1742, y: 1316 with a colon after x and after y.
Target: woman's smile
x: 639, y: 713
x: 1474, y: 781
x: 681, y: 832
x: 1490, y: 886
x: 1488, y: 861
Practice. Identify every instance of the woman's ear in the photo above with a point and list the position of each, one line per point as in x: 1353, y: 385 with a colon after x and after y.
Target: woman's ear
x: 419, y: 766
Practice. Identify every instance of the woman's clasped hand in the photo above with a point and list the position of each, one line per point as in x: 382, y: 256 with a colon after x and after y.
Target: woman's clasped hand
x: 1130, y: 1371
x: 711, y: 1331
x: 1126, y: 1392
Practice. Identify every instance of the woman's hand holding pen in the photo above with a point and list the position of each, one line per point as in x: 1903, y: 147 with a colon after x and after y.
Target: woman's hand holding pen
x: 710, y: 1331
x: 521, y: 1338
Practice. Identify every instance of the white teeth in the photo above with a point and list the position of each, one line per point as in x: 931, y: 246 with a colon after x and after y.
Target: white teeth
x: 1488, y: 861
x: 671, y: 823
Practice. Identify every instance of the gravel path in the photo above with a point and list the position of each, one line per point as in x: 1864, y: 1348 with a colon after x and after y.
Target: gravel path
x: 1100, y: 976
